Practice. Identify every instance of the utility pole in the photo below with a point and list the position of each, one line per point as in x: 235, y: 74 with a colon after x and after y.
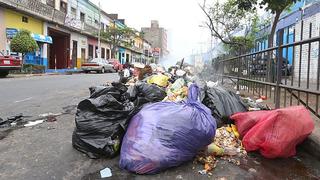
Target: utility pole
x: 99, y: 33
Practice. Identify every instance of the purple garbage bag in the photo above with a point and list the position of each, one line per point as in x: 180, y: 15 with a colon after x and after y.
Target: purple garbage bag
x: 167, y: 134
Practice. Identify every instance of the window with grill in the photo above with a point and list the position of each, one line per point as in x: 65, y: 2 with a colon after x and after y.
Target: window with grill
x: 82, y: 16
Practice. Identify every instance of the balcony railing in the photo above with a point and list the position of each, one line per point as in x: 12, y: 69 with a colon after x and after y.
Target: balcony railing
x: 37, y: 8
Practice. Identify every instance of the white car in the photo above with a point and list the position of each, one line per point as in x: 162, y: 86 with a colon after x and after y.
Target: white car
x: 99, y: 65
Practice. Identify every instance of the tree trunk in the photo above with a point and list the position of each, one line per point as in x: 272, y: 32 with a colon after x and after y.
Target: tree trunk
x: 273, y: 28
x: 113, y: 52
x: 270, y: 45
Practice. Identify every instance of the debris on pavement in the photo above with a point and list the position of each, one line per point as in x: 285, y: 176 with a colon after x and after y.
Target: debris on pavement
x: 17, y: 120
x: 254, y: 105
x: 225, y: 146
x: 33, y: 123
x: 168, y: 127
x: 105, y: 173
x: 50, y: 117
x: 275, y: 133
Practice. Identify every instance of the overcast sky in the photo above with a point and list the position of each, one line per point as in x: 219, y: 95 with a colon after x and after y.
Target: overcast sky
x: 181, y: 18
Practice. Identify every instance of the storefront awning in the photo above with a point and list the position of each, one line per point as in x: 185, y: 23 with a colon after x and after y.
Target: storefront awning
x: 42, y: 38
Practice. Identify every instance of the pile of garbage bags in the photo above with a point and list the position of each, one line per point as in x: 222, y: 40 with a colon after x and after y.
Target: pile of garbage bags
x: 159, y: 120
x: 102, y: 119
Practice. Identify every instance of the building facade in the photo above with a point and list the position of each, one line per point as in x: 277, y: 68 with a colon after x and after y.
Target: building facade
x: 306, y: 12
x: 66, y: 32
x: 157, y: 36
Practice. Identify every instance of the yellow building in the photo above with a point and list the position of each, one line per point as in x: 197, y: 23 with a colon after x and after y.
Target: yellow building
x: 16, y: 20
x: 12, y: 22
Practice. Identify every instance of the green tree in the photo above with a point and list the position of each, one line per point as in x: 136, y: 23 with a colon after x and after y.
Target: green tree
x: 23, y: 43
x: 118, y: 36
x: 276, y: 7
x: 225, y: 20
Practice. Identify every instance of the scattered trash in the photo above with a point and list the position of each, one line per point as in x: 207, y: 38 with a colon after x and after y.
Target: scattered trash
x: 168, y: 128
x: 179, y: 177
x: 17, y: 120
x: 160, y: 80
x: 252, y: 171
x: 105, y: 173
x: 49, y: 114
x: 263, y: 98
x: 51, y: 118
x: 275, y: 133
x: 259, y: 101
x: 254, y: 105
x: 225, y: 145
x: 33, y: 123
x: 177, y: 91
x: 211, y: 84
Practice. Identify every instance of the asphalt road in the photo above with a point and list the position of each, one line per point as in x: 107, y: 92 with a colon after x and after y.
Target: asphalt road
x: 45, y: 151
x: 43, y: 94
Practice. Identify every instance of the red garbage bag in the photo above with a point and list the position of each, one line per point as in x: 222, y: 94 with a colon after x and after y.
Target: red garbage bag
x: 275, y: 133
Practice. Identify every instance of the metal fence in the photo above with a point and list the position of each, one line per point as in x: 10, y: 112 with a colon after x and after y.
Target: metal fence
x: 269, y: 73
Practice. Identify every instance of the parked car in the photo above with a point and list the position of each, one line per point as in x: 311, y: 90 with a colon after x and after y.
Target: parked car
x: 117, y: 66
x: 99, y: 65
x: 8, y: 63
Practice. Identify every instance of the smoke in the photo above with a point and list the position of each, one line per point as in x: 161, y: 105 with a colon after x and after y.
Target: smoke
x: 168, y: 61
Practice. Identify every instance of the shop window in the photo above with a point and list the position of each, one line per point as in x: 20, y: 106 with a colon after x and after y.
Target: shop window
x: 63, y: 7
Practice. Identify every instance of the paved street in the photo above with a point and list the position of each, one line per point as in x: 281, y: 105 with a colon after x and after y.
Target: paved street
x: 45, y: 151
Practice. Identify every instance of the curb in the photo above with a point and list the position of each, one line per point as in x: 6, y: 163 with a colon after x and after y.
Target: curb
x: 312, y: 143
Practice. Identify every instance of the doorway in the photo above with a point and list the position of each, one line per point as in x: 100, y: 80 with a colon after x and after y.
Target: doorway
x: 59, y: 50
x: 90, y: 47
x: 74, y: 53
x: 83, y: 55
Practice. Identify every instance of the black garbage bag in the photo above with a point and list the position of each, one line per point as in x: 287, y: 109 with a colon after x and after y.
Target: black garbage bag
x: 101, y: 121
x: 223, y: 103
x: 142, y: 93
x: 202, y: 86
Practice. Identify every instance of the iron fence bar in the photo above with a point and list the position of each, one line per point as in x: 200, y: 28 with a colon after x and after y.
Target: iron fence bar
x: 308, y: 68
x: 293, y: 62
x: 279, y: 65
x: 315, y: 92
x: 318, y: 77
x: 303, y: 103
x: 314, y: 39
x: 300, y: 59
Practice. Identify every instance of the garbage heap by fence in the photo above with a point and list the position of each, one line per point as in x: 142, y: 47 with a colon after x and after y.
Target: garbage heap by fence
x: 157, y: 120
